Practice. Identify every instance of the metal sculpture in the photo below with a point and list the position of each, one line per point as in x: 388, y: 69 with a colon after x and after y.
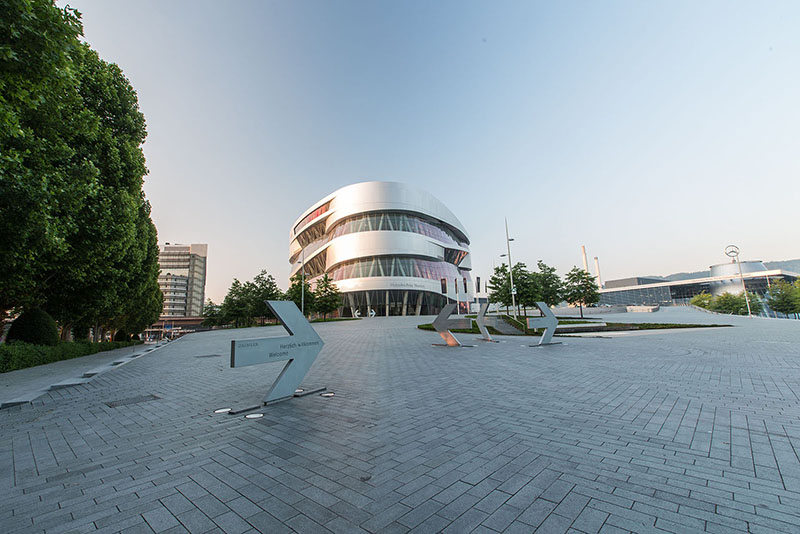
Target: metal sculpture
x: 549, y: 322
x: 442, y: 325
x: 481, y: 320
x: 300, y: 348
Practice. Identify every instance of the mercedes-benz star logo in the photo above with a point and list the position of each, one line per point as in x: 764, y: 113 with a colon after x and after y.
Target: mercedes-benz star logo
x: 732, y: 251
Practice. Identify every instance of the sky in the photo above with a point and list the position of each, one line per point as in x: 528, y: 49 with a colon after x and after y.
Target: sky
x: 655, y: 134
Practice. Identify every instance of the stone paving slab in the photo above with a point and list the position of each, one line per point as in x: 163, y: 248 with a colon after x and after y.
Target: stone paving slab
x: 25, y: 385
x: 690, y: 431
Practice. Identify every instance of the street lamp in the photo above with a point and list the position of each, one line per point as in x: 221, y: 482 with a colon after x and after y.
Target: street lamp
x: 303, y: 282
x: 732, y: 251
x: 510, y: 271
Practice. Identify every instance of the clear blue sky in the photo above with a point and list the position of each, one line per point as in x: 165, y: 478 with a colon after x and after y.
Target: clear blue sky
x: 654, y: 134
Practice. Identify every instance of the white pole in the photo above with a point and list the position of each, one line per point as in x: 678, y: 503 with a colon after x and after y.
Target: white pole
x: 741, y: 277
x: 303, y: 283
x: 510, y: 273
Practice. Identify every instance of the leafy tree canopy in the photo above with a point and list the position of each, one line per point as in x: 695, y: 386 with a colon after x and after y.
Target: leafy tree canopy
x: 580, y: 288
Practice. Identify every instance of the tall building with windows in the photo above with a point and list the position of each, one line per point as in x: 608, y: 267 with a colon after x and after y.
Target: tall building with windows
x: 391, y: 249
x: 183, y: 279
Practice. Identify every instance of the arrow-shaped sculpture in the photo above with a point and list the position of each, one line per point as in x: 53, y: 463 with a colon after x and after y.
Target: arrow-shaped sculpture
x: 300, y: 348
x: 549, y: 322
x: 442, y: 325
x: 481, y: 320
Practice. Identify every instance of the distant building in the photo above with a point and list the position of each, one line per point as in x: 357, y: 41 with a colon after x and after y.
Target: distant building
x: 390, y: 248
x: 183, y: 279
x: 722, y: 278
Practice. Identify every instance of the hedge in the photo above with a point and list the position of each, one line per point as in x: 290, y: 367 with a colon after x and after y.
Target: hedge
x: 18, y: 355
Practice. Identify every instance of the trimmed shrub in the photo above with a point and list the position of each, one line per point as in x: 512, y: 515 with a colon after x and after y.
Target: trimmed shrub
x: 34, y: 326
x: 19, y: 355
x: 121, y: 335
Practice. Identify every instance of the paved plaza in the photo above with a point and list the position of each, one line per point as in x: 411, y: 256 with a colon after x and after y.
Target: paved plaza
x: 679, y: 431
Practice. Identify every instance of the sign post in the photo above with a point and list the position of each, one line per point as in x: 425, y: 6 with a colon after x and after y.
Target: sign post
x: 299, y: 349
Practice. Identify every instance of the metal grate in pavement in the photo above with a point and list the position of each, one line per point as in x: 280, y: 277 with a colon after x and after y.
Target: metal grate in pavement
x: 132, y: 400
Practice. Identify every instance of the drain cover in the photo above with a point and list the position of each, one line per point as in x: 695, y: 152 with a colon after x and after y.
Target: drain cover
x: 132, y: 400
x: 209, y: 356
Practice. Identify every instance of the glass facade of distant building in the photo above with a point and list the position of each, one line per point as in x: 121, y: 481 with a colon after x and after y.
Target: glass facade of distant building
x: 392, y: 249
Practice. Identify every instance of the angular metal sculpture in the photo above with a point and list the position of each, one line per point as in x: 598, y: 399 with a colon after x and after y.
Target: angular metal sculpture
x: 441, y: 324
x: 549, y: 322
x: 481, y: 320
x: 300, y: 348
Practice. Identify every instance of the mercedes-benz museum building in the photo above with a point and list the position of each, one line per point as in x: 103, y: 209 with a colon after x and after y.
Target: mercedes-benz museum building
x: 391, y: 249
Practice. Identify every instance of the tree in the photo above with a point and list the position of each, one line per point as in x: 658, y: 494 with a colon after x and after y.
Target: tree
x: 236, y: 307
x: 549, y: 284
x: 300, y: 293
x: 42, y: 183
x: 212, y: 314
x: 107, y: 248
x: 327, y: 297
x: 580, y: 288
x: 263, y: 288
x: 784, y: 297
x: 75, y: 228
x: 702, y: 300
x: 735, y: 304
x: 500, y: 286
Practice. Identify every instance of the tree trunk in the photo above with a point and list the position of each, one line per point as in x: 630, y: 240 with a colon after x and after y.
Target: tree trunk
x: 581, y: 307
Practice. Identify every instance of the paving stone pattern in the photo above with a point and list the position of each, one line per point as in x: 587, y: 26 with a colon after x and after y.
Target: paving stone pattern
x: 681, y: 432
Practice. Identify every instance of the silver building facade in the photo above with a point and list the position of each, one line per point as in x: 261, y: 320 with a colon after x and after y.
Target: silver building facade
x: 391, y: 249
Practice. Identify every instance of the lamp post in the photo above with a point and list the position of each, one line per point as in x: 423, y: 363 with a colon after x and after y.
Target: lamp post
x: 732, y: 251
x: 510, y: 271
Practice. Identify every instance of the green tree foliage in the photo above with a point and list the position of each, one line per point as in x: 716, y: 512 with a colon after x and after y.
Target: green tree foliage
x: 500, y: 286
x: 212, y: 314
x: 295, y: 293
x: 244, y: 304
x: 703, y: 300
x: 784, y: 297
x: 543, y: 285
x: 75, y: 228
x: 42, y: 179
x: 735, y: 304
x: 327, y: 297
x: 263, y: 288
x: 236, y: 307
x: 580, y: 288
x: 34, y: 326
x: 550, y: 284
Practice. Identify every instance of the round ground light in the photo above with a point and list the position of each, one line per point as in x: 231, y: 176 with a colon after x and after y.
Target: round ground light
x: 253, y: 415
x: 223, y: 410
x: 327, y: 394
x: 299, y: 390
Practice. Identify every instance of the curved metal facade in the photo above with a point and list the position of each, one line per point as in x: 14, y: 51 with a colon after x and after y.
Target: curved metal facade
x: 389, y: 247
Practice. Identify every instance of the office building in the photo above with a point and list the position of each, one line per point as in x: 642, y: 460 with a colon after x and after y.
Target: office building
x: 182, y: 279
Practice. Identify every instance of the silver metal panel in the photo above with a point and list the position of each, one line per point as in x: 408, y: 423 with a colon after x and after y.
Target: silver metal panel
x: 299, y: 349
x: 375, y: 196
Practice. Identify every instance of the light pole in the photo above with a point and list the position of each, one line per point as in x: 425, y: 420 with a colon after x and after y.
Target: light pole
x: 510, y: 271
x: 732, y: 251
x: 303, y: 282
